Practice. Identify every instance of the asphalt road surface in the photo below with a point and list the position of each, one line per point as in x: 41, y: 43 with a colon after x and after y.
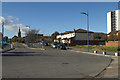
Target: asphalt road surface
x: 50, y: 63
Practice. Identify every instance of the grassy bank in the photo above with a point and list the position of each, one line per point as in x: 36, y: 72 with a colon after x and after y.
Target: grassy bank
x: 99, y: 47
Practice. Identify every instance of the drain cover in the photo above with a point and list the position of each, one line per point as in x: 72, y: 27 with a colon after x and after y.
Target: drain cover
x: 65, y: 63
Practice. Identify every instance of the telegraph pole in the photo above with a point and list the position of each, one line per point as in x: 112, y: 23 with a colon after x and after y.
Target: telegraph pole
x: 2, y: 33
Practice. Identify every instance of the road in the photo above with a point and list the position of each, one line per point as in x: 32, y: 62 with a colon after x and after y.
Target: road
x: 50, y: 63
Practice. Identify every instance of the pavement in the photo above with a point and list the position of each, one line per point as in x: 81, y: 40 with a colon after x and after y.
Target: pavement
x: 23, y: 62
x: 6, y: 48
x: 112, y: 70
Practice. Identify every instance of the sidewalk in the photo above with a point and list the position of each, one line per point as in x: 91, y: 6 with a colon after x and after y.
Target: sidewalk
x: 32, y: 47
x: 6, y: 48
x: 111, y: 71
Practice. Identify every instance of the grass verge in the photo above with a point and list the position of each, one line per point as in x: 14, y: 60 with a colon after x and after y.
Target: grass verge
x: 100, y: 47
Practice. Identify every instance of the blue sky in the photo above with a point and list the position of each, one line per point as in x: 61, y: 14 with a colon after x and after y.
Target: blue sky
x: 58, y: 16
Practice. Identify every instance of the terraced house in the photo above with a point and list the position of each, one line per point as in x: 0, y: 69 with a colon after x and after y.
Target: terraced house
x: 75, y: 37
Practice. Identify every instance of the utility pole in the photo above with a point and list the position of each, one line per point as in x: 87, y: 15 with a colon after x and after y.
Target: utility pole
x: 2, y: 33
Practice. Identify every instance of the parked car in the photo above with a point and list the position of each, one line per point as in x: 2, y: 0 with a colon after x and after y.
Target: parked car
x: 61, y: 46
x: 46, y: 44
x: 54, y: 45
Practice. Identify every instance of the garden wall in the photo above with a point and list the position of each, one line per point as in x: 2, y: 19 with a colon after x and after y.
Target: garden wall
x: 112, y: 43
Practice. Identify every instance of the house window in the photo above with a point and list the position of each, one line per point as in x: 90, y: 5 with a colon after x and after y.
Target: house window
x: 89, y: 34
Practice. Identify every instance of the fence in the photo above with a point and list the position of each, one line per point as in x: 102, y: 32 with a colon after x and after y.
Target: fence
x: 84, y: 42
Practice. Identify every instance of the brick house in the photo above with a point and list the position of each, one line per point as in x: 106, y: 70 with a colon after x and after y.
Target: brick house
x: 114, y: 43
x: 74, y: 37
x: 100, y: 35
x: 114, y: 33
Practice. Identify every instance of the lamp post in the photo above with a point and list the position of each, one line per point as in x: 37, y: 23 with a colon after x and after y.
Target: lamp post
x: 2, y: 33
x: 26, y: 35
x: 87, y: 28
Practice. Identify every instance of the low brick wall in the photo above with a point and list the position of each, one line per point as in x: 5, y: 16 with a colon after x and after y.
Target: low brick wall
x: 84, y: 42
x: 112, y: 43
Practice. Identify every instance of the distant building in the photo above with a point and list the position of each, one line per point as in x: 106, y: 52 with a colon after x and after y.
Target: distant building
x: 47, y: 39
x: 41, y: 38
x: 113, y: 21
x: 19, y: 33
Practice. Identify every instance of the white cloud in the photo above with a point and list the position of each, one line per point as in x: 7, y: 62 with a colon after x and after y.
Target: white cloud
x: 1, y: 19
x: 10, y: 16
x: 16, y: 19
x: 9, y: 25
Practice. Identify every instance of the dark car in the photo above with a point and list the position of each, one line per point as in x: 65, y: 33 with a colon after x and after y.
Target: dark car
x: 46, y: 44
x: 61, y: 46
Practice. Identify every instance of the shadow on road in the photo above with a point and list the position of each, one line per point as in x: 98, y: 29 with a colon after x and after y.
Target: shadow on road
x: 24, y: 54
x: 17, y: 55
x: 21, y: 52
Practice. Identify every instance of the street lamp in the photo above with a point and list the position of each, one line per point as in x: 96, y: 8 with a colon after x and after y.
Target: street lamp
x: 27, y: 33
x: 87, y: 28
x: 2, y: 33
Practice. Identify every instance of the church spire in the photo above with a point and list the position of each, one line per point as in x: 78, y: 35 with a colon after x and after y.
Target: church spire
x: 19, y: 33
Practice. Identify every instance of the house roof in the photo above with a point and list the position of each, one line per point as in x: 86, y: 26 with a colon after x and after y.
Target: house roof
x: 113, y: 32
x: 83, y: 31
x: 100, y: 33
x: 77, y: 31
x: 46, y: 36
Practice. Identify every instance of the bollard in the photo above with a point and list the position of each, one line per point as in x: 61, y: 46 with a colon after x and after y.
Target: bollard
x: 95, y: 51
x: 117, y: 54
x: 104, y: 53
x: 11, y: 45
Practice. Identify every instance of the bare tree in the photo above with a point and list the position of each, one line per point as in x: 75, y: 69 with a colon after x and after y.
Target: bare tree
x: 31, y: 35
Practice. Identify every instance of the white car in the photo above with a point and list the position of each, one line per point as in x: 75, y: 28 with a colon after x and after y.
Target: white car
x: 54, y: 45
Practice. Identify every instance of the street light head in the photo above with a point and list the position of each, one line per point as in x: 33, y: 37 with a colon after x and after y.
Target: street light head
x: 84, y: 13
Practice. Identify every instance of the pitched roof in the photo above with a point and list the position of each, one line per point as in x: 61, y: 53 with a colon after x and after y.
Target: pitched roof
x: 100, y: 33
x: 83, y: 31
x: 77, y: 31
x: 113, y: 32
x: 46, y: 36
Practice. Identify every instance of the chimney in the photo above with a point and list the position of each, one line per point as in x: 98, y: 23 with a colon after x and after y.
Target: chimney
x: 73, y: 29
